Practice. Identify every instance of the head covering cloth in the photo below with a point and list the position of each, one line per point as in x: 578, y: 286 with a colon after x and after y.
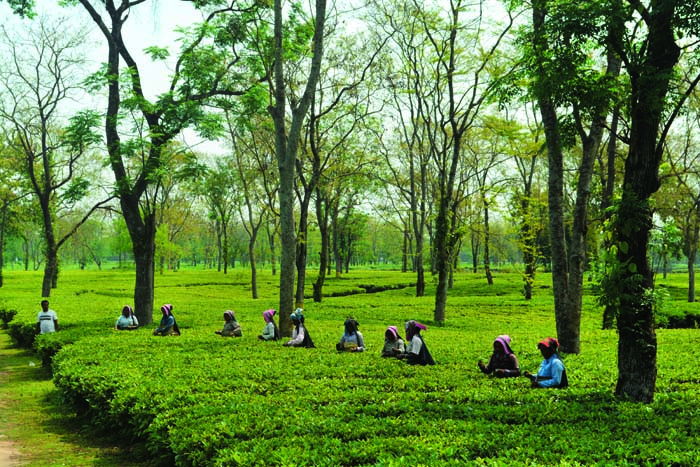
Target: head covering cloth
x: 298, y: 316
x: 550, y: 343
x: 504, y: 340
x: 351, y: 325
x: 268, y: 315
x: 394, y: 331
x: 230, y: 314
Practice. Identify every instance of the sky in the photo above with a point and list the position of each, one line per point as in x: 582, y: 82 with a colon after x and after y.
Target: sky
x: 151, y: 23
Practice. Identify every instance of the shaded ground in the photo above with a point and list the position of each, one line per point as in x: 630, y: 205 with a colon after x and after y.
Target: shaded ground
x: 36, y: 431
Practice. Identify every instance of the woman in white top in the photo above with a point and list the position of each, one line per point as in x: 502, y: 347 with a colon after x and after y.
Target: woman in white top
x: 417, y: 352
x: 270, y: 331
x: 300, y: 335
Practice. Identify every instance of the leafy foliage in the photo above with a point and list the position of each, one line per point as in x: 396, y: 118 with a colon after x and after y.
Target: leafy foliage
x: 6, y: 316
x: 200, y: 399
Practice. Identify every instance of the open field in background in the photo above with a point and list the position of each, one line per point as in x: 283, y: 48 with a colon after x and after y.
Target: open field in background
x: 205, y: 400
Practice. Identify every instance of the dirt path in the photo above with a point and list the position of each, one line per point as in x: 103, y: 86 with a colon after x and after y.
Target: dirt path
x: 9, y: 455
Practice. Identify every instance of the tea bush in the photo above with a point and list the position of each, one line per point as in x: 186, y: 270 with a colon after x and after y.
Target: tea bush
x: 203, y: 400
x: 6, y: 316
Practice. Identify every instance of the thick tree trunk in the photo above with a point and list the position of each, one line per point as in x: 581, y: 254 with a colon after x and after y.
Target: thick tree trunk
x: 560, y: 275
x: 143, y: 239
x: 286, y: 146
x: 635, y: 323
x: 444, y: 237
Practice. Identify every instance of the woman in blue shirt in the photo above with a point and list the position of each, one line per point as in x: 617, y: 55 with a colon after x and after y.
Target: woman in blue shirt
x: 168, y: 326
x: 552, y: 373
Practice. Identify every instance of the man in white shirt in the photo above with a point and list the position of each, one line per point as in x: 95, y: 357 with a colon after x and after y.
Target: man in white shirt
x: 46, y: 320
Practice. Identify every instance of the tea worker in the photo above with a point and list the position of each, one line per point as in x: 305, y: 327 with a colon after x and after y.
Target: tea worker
x: 231, y: 326
x: 270, y: 332
x: 168, y: 325
x: 503, y: 362
x: 417, y: 352
x: 552, y: 373
x: 46, y: 319
x: 393, y: 344
x: 352, y: 339
x: 127, y: 321
x: 300, y: 335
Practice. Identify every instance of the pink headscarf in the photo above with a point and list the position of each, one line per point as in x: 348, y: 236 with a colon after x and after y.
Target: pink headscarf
x: 166, y: 309
x: 504, y: 339
x: 268, y: 315
x: 394, y: 331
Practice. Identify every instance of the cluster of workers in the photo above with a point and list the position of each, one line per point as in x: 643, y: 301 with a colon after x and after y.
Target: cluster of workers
x: 502, y: 364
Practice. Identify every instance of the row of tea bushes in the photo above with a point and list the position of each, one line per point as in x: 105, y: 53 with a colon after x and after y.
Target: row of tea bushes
x: 226, y: 402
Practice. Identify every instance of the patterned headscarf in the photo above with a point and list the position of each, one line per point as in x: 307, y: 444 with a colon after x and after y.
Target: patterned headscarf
x: 231, y: 316
x: 394, y: 331
x: 167, y: 309
x: 298, y: 315
x: 268, y: 315
x: 504, y: 340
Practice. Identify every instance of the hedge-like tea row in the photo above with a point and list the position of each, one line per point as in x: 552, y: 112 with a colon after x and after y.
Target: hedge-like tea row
x: 201, y: 401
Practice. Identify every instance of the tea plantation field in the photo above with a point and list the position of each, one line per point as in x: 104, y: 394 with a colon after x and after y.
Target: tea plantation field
x: 203, y: 400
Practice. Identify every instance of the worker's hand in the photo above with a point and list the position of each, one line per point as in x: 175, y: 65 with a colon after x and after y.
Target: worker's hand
x: 500, y: 373
x: 481, y: 365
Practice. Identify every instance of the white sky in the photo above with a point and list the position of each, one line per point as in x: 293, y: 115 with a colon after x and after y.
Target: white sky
x: 151, y: 23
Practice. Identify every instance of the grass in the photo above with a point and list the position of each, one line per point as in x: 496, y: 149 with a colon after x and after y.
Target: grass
x: 465, y: 418
x: 39, y: 427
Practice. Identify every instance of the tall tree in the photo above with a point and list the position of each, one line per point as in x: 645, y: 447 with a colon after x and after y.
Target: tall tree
x: 287, y: 145
x: 657, y: 94
x: 42, y: 78
x: 209, y: 65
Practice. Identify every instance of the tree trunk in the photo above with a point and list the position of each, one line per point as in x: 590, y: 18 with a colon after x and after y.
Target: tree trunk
x: 3, y: 226
x: 608, y: 182
x: 301, y: 252
x: 253, y: 267
x: 635, y: 323
x: 560, y: 276
x: 404, y: 252
x: 420, y: 269
x: 51, y: 253
x: 286, y: 147
x: 143, y: 234
x: 324, y: 255
x: 487, y: 248
x: 692, y: 254
x: 476, y: 247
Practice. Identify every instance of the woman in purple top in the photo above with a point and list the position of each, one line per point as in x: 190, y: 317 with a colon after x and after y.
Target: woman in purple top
x: 503, y: 362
